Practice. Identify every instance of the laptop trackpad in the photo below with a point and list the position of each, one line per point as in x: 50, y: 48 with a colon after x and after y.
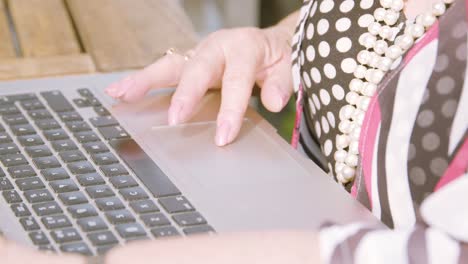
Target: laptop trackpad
x: 252, y: 184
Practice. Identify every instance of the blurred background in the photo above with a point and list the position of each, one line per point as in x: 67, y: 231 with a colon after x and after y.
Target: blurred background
x: 211, y: 15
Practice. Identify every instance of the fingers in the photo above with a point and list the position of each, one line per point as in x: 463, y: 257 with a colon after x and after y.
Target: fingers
x: 163, y: 73
x: 238, y: 81
x: 201, y: 72
x: 277, y: 86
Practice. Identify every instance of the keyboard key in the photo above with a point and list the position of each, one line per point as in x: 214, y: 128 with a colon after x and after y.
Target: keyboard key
x: 144, y: 207
x: 176, y: 204
x: 63, y: 145
x: 72, y: 156
x: 167, y: 231
x: 73, y: 198
x: 38, y: 196
x: 15, y: 120
x: 30, y: 140
x: 55, y: 174
x: 189, y: 219
x: 100, y: 191
x: 9, y: 148
x: 13, y: 160
x: 86, y: 137
x: 32, y: 105
x: 47, y: 124
x: 56, y: 221
x: 27, y: 184
x: 5, y: 184
x: 109, y: 204
x: 80, y: 102
x: 81, y: 167
x: 78, y: 126
x: 130, y: 230
x: 23, y: 130
x: 103, y: 238
x: 12, y: 196
x: 195, y: 230
x: 120, y: 217
x: 154, y: 220
x: 101, y: 111
x: 92, y: 224
x: 121, y: 182
x: 102, y: 121
x: 2, y: 173
x: 22, y: 171
x: 76, y: 248
x: 47, y: 248
x: 5, y: 138
x: 20, y: 210
x: 9, y: 110
x: 82, y: 210
x: 114, y: 170
x: 90, y: 179
x: 56, y: 134
x: 102, y: 250
x: 65, y: 235
x: 40, y: 114
x: 94, y: 102
x: 106, y: 158
x: 85, y: 92
x: 95, y: 147
x: 46, y: 162
x: 29, y: 223
x: 64, y: 186
x: 39, y: 238
x: 57, y: 101
x: 134, y: 194
x: 38, y: 151
x: 144, y: 168
x: 22, y: 97
x: 70, y: 117
x: 48, y: 208
x: 113, y: 132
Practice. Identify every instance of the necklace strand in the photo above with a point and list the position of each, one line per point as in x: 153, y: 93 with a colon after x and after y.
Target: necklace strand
x: 382, y: 52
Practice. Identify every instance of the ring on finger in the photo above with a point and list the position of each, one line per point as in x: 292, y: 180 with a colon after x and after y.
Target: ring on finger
x: 189, y: 54
x: 171, y: 51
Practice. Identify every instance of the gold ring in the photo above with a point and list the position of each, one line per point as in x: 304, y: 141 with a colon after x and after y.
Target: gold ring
x: 189, y: 54
x: 171, y: 51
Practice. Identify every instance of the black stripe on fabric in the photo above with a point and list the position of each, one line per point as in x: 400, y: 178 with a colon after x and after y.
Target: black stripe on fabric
x: 463, y: 256
x: 416, y: 247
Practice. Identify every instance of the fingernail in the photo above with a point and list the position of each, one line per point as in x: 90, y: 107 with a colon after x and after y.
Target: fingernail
x: 125, y: 85
x: 222, y: 134
x: 174, y: 113
x: 280, y: 102
x: 112, y: 90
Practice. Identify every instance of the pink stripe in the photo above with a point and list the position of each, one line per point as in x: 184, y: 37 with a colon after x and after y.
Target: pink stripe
x: 431, y: 34
x: 297, y: 121
x: 457, y: 168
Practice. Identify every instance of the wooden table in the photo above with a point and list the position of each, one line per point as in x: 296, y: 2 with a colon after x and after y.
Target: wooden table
x: 61, y: 37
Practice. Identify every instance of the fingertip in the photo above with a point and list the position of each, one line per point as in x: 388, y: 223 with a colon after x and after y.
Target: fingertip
x: 274, y: 99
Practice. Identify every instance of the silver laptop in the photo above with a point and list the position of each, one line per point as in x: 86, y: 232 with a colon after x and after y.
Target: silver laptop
x: 82, y: 173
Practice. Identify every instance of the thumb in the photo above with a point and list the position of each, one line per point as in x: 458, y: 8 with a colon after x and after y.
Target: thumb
x: 277, y: 86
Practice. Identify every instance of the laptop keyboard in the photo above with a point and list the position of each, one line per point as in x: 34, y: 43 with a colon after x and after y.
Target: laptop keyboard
x: 84, y: 186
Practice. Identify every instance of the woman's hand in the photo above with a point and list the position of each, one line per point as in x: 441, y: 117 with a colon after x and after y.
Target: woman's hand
x: 235, y: 59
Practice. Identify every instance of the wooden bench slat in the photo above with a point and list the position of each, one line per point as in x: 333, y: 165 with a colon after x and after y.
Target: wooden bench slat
x: 6, y: 45
x: 48, y: 66
x: 123, y: 34
x: 43, y: 27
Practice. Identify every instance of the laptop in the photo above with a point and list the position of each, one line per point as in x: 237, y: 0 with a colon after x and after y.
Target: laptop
x: 83, y: 173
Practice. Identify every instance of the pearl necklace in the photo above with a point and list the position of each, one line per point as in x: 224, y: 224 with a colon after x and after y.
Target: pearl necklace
x: 375, y: 61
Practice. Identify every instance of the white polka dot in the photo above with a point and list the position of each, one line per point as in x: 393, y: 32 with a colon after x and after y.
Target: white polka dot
x: 324, y: 49
x: 310, y: 53
x: 348, y: 65
x: 329, y: 71
x: 331, y: 119
x: 316, y: 101
x: 316, y: 76
x: 318, y: 130
x: 313, y: 9
x: 322, y: 26
x: 343, y: 24
x: 302, y: 58
x: 312, y: 106
x: 326, y: 6
x: 328, y: 147
x: 325, y: 97
x: 365, y: 20
x: 346, y: 6
x: 310, y: 31
x: 338, y: 92
x: 325, y: 125
x: 366, y: 4
x: 344, y: 44
x: 306, y: 79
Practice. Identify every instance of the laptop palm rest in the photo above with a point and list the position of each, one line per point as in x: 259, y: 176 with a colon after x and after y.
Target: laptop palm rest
x: 253, y: 184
